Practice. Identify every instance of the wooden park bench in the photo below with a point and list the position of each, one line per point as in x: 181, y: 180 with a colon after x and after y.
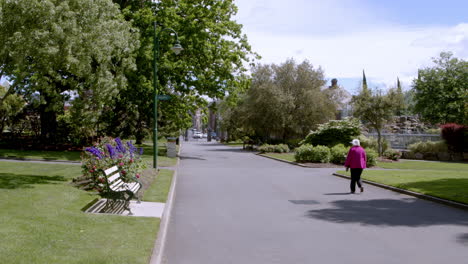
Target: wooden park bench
x: 117, y: 189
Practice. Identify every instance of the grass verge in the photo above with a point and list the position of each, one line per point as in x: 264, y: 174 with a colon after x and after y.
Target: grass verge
x: 283, y: 156
x: 159, y: 189
x: 439, y: 179
x: 163, y: 161
x: 42, y: 221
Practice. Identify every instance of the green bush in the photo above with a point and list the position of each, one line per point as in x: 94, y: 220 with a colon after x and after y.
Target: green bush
x: 428, y: 147
x: 303, y: 153
x: 280, y: 148
x: 392, y: 154
x: 338, y: 154
x: 371, y: 143
x: 371, y: 157
x: 334, y: 132
x: 313, y: 154
x: 266, y: 148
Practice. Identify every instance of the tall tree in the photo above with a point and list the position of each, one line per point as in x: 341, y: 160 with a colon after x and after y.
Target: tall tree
x: 211, y: 64
x: 398, y: 99
x: 364, y: 81
x: 374, y: 109
x: 63, y: 48
x: 286, y: 101
x: 441, y: 91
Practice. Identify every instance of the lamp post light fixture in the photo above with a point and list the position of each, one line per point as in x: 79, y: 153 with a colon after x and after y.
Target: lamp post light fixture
x: 177, y: 48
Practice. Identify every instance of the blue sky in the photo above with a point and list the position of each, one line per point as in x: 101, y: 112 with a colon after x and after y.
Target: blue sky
x: 388, y: 39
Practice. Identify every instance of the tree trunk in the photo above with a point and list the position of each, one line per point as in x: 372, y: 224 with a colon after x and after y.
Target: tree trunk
x: 48, y: 118
x: 379, y: 142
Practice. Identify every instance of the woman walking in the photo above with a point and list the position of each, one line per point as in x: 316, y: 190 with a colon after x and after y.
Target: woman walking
x: 356, y: 161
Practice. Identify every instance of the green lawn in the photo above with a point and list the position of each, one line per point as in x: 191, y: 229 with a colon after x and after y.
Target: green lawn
x: 283, y: 156
x: 163, y: 161
x: 42, y: 155
x: 423, y: 165
x: 42, y: 221
x: 441, y: 179
x: 159, y: 190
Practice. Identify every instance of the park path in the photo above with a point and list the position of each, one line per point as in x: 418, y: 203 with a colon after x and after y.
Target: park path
x: 233, y: 206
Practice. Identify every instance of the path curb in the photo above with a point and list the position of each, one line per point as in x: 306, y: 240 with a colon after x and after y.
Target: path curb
x: 160, y: 244
x: 411, y: 193
x: 282, y: 160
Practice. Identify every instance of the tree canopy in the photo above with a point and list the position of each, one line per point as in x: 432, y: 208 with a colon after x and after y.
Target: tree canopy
x: 283, y: 102
x: 441, y: 91
x: 63, y: 49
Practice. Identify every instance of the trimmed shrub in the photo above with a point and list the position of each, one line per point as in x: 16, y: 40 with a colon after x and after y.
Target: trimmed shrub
x: 392, y: 154
x: 456, y: 136
x: 303, y: 153
x: 266, y: 148
x: 428, y: 147
x: 371, y: 157
x: 321, y: 154
x: 334, y: 132
x: 280, y: 148
x: 338, y: 154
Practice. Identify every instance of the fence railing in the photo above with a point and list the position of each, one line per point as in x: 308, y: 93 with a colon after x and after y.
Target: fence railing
x: 402, y: 141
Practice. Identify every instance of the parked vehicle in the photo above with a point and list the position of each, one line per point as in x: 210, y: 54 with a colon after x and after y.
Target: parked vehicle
x: 197, y: 135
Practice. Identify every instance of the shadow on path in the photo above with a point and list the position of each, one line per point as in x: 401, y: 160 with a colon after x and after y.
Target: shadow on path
x: 304, y: 202
x: 463, y: 239
x: 190, y: 158
x: 345, y: 193
x: 388, y: 212
x: 16, y: 181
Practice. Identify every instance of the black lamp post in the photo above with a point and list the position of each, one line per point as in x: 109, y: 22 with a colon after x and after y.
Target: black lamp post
x: 177, y: 48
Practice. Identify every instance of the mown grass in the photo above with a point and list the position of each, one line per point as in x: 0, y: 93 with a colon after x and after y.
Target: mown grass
x: 42, y: 221
x: 445, y: 180
x: 163, y: 161
x: 159, y: 189
x: 423, y: 165
x: 41, y: 154
x: 283, y: 156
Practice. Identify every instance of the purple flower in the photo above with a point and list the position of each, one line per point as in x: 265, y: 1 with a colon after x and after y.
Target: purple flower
x: 95, y: 152
x: 131, y: 148
x: 120, y: 147
x: 141, y: 151
x: 111, y: 150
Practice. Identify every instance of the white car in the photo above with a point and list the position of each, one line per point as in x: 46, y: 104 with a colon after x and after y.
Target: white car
x: 197, y: 135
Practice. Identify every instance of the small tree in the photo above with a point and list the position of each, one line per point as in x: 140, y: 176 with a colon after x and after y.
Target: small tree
x: 375, y: 109
x: 455, y: 136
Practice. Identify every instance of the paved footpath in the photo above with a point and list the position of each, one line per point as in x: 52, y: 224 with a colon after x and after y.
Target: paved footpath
x: 232, y: 206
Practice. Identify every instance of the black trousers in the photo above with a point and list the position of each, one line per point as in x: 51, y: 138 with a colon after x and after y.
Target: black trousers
x: 356, y: 178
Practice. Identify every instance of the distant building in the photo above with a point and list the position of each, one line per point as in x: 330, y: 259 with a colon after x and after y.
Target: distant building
x: 341, y: 97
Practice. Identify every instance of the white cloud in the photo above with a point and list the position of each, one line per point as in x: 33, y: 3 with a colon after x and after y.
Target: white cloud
x: 345, y: 41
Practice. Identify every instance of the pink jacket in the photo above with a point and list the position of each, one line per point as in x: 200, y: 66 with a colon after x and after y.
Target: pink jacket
x: 356, y: 158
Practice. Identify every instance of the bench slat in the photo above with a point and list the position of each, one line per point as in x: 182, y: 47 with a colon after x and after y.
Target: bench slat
x: 111, y: 170
x: 116, y: 185
x: 113, y: 178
